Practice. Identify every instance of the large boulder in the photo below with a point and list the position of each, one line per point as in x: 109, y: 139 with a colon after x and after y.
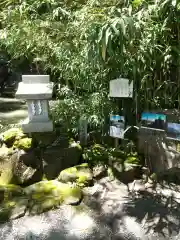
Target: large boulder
x: 26, y: 168
x: 46, y: 195
x: 57, y: 158
x: 19, y: 167
x: 44, y: 139
x: 80, y: 174
x: 6, y: 165
x: 13, y: 167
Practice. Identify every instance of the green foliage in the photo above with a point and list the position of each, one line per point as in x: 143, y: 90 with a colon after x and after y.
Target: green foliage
x: 99, y: 154
x: 84, y: 44
x: 93, y: 106
x: 96, y: 154
x: 118, y: 154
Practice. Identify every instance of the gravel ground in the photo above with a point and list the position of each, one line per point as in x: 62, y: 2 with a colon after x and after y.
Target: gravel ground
x: 109, y: 213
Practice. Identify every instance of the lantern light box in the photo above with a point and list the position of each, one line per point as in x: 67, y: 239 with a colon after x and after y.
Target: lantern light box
x: 36, y: 90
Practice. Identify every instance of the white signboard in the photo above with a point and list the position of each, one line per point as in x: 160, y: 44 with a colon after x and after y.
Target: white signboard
x: 117, y: 124
x: 121, y: 88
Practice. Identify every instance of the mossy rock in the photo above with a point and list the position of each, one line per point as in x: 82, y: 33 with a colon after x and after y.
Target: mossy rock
x: 6, y: 166
x: 12, y: 209
x: 132, y: 160
x: 13, y: 202
x: 46, y: 195
x: 45, y: 138
x: 9, y: 191
x: 11, y: 135
x: 6, y: 172
x: 80, y: 174
x: 24, y: 144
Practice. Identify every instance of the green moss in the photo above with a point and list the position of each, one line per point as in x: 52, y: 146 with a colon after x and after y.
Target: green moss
x: 132, y: 160
x: 11, y: 135
x: 78, y: 146
x: 71, y: 170
x: 50, y: 194
x: 67, y: 191
x: 110, y: 173
x: 9, y: 191
x: 80, y: 174
x: 83, y: 165
x: 71, y: 140
x: 154, y: 177
x: 24, y: 144
x: 44, y: 178
x: 82, y: 181
x: 6, y: 173
x: 13, y: 208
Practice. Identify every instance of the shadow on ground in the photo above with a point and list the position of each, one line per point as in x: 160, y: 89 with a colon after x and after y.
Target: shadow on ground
x: 157, y: 212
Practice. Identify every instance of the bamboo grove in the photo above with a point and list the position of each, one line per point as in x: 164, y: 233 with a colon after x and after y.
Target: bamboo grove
x: 84, y: 44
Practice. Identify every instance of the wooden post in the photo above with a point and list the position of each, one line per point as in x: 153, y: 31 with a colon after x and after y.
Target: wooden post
x: 116, y: 142
x: 83, y: 131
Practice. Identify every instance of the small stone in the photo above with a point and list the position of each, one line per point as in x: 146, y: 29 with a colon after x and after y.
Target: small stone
x: 99, y: 171
x: 137, y: 186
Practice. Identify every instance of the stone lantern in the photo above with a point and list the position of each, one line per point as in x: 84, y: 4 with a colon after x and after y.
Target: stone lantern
x: 36, y: 90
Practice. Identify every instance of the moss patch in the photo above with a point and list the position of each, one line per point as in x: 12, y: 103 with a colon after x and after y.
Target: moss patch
x: 11, y: 135
x: 132, y: 159
x: 7, y: 192
x: 80, y: 174
x: 47, y: 195
x: 24, y: 144
x: 12, y: 209
x: 13, y: 202
x: 6, y: 173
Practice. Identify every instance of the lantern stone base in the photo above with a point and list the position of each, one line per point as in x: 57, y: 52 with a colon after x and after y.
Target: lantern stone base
x: 32, y: 127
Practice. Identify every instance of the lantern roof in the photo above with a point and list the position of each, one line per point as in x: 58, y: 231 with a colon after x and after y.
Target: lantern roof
x: 35, y: 87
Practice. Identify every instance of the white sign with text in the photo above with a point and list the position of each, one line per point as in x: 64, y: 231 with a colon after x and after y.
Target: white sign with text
x: 121, y: 88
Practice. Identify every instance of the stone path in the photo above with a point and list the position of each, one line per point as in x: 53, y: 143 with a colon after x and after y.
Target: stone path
x: 108, y: 212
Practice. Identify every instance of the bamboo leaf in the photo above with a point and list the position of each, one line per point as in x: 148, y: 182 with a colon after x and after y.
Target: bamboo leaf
x: 114, y: 26
x: 104, y: 50
x: 174, y: 2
